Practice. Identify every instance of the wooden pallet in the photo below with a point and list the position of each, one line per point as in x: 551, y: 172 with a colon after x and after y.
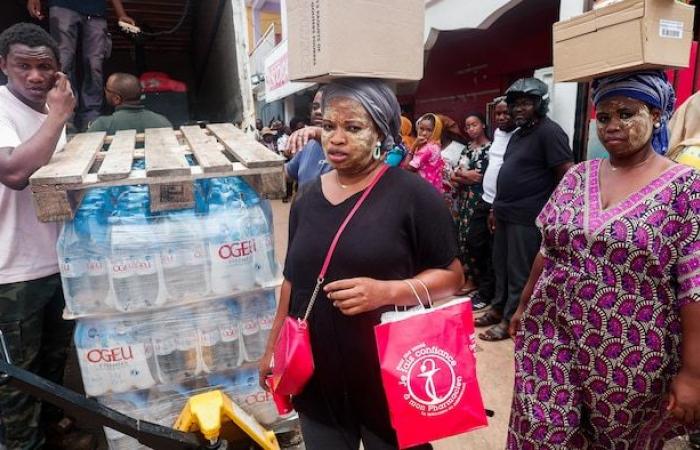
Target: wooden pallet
x: 95, y: 160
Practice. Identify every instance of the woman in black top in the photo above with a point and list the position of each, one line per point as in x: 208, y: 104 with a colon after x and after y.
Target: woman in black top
x: 403, y: 231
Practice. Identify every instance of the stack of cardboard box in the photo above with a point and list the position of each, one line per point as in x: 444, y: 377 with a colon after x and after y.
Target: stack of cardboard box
x: 623, y: 36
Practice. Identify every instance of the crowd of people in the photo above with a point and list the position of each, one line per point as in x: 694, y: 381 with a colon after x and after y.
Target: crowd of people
x: 592, y: 268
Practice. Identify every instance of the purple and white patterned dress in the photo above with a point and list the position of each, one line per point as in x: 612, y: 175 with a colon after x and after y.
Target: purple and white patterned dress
x: 600, y: 340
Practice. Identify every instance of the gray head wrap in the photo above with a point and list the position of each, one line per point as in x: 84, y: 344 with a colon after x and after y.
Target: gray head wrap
x: 379, y: 101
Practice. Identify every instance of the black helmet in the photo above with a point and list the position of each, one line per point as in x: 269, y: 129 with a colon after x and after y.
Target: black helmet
x: 531, y: 87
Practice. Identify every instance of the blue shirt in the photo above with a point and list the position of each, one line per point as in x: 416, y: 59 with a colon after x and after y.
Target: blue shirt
x: 84, y: 7
x: 308, y: 164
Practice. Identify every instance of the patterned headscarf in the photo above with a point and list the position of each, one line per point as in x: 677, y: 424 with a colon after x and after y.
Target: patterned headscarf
x: 377, y: 99
x: 651, y: 87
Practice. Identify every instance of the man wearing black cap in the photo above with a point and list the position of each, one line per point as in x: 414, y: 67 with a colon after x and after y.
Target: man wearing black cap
x: 537, y: 157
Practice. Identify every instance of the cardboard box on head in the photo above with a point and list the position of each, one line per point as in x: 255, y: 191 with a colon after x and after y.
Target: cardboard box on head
x: 624, y: 36
x: 356, y: 38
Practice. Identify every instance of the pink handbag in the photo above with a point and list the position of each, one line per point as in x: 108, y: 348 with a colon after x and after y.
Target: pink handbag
x: 293, y: 362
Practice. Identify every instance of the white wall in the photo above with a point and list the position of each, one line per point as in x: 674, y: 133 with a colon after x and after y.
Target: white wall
x: 563, y: 103
x: 446, y: 15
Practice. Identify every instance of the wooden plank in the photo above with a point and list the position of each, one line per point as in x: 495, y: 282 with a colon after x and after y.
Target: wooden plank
x: 117, y: 162
x: 169, y: 196
x: 206, y: 149
x: 246, y: 150
x: 163, y: 157
x: 138, y: 176
x: 268, y: 185
x: 140, y: 137
x: 56, y: 205
x: 73, y: 163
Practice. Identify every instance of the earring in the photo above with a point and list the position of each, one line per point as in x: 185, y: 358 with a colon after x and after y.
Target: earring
x: 377, y: 153
x: 657, y: 125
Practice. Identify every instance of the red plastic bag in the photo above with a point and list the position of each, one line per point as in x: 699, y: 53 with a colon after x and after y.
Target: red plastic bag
x: 160, y: 82
x: 429, y: 373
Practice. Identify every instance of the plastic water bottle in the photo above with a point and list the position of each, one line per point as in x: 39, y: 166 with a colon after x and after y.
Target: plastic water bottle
x: 164, y: 352
x: 227, y: 353
x: 246, y: 193
x: 73, y: 261
x: 186, y: 344
x: 133, y: 404
x: 264, y: 256
x: 129, y: 357
x: 210, y: 338
x: 184, y: 256
x: 79, y: 259
x: 96, y: 377
x: 267, y: 308
x: 250, y: 329
x: 246, y: 392
x: 111, y: 357
x: 230, y: 244
x: 97, y: 227
x: 135, y: 265
x: 175, y: 344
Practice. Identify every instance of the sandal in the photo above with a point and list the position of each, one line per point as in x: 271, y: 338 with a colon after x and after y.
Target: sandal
x: 495, y: 333
x: 479, y: 304
x: 488, y: 319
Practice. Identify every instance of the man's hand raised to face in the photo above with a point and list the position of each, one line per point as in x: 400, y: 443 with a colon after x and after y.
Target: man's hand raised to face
x: 60, y: 99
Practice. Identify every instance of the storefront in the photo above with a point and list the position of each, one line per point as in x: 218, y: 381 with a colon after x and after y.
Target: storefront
x: 294, y: 98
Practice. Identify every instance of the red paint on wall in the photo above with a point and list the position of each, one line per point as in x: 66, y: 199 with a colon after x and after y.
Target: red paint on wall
x: 466, y: 69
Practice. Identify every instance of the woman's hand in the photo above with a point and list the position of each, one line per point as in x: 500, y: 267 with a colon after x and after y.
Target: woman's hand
x: 358, y: 295
x: 300, y: 138
x: 514, y: 324
x: 471, y: 176
x: 264, y: 370
x: 684, y: 398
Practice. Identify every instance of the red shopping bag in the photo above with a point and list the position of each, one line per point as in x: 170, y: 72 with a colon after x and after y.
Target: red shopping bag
x: 429, y: 373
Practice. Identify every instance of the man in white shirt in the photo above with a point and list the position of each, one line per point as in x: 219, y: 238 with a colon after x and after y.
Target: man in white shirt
x: 505, y: 127
x: 503, y: 131
x: 35, y: 105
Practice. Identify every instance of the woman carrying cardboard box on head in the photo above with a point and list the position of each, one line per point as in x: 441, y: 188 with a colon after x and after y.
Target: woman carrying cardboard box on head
x: 401, y: 238
x: 606, y: 334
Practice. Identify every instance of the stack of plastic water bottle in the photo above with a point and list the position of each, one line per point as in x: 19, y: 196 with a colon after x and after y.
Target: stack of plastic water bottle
x: 170, y: 303
x: 115, y: 256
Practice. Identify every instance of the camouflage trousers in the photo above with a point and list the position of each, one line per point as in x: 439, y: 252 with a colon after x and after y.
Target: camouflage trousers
x: 38, y: 340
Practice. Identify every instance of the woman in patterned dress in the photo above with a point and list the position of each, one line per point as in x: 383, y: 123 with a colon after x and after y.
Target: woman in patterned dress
x: 614, y: 291
x: 466, y: 179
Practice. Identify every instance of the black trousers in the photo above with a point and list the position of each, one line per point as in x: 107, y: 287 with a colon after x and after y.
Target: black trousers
x: 514, y: 249
x: 320, y: 436
x: 38, y: 340
x: 480, y: 247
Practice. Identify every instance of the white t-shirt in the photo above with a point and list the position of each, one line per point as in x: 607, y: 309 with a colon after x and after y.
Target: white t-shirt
x: 27, y: 246
x: 496, y: 153
x: 451, y: 154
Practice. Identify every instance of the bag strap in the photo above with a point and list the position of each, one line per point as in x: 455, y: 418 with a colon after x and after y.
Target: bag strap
x: 334, y: 242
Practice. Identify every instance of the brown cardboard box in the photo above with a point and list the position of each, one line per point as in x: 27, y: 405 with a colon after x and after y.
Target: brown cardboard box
x: 625, y: 36
x: 361, y: 38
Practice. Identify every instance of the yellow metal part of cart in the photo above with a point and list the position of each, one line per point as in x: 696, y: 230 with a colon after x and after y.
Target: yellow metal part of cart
x: 211, y: 411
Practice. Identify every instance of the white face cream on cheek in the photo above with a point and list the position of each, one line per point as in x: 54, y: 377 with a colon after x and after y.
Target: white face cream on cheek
x: 627, y: 119
x: 359, y: 136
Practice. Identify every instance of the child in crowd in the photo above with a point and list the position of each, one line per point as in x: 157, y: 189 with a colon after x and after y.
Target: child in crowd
x: 424, y: 156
